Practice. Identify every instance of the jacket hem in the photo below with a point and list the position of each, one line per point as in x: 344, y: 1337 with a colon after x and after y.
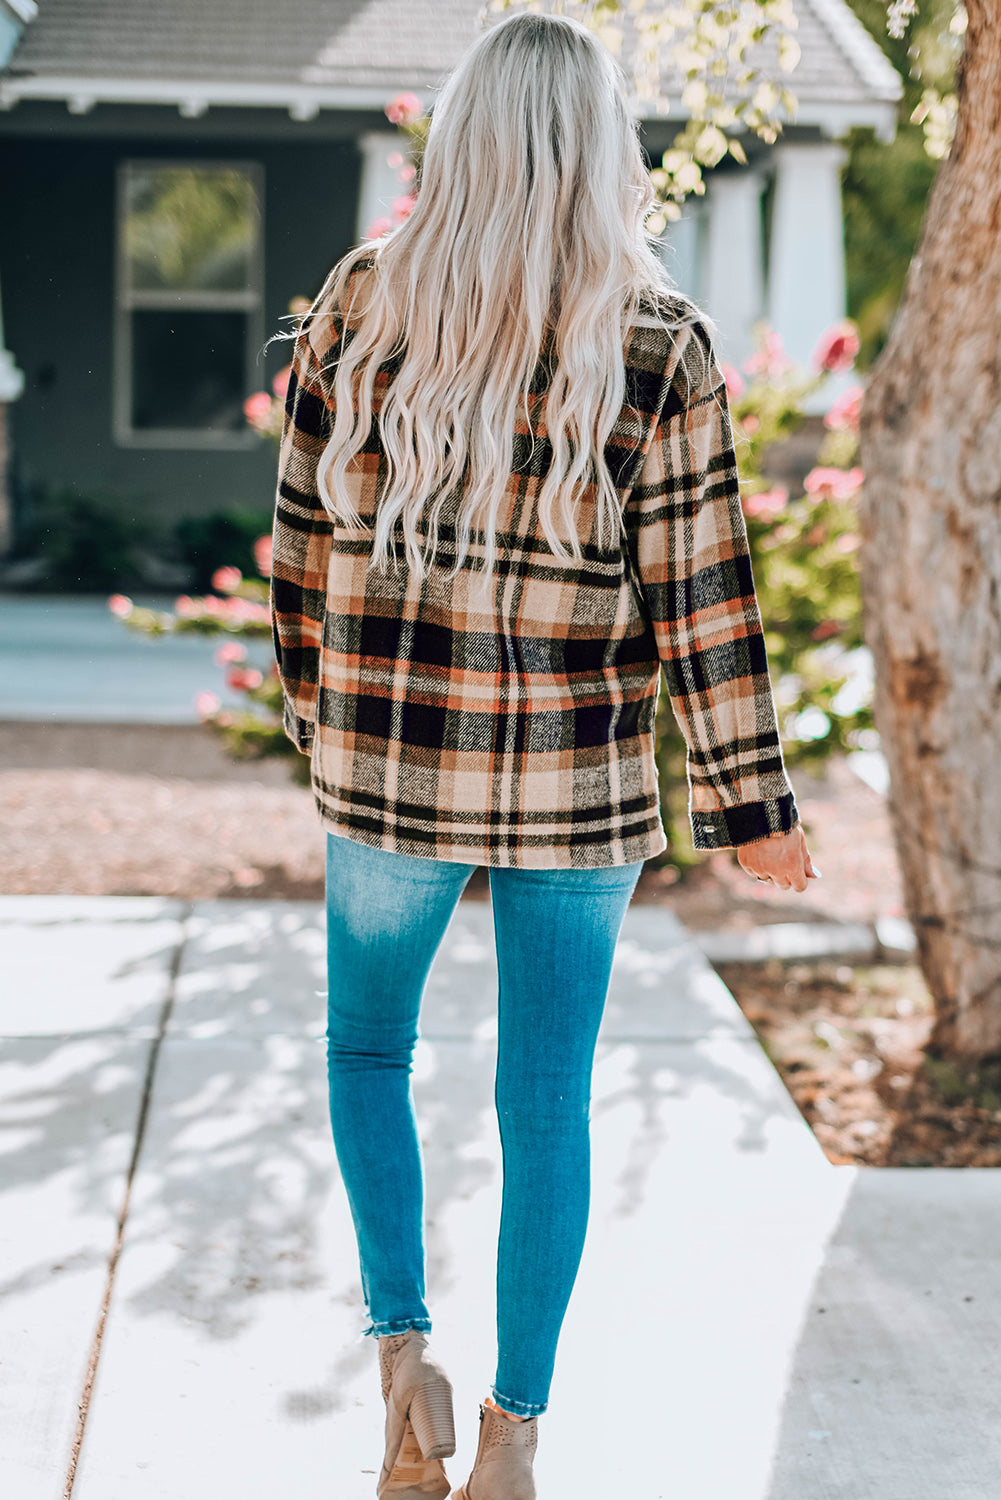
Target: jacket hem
x: 552, y: 856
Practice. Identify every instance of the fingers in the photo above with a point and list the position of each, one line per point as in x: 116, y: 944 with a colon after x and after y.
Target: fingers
x: 784, y: 862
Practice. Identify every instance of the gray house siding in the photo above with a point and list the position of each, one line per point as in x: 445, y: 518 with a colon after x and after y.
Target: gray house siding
x: 57, y: 260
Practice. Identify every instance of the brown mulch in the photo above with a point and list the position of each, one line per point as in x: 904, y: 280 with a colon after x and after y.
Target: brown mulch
x: 848, y: 1042
x: 96, y: 809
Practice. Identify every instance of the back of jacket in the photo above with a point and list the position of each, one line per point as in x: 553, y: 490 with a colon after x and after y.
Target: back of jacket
x: 520, y: 730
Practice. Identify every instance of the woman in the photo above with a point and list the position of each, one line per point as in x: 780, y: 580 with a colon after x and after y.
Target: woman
x: 507, y: 501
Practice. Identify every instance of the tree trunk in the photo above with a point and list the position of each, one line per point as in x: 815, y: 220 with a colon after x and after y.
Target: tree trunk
x: 930, y: 520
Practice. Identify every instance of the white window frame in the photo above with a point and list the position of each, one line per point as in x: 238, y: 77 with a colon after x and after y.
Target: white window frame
x: 128, y: 301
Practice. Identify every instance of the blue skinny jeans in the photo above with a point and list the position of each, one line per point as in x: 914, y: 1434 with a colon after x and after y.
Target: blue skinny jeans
x: 555, y: 933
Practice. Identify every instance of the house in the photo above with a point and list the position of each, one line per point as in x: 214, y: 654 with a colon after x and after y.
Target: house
x: 175, y: 172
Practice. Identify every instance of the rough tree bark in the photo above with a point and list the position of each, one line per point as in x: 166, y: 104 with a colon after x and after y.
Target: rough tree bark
x: 931, y: 565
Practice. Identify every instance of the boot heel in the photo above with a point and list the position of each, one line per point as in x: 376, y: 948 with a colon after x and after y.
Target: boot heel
x: 432, y: 1420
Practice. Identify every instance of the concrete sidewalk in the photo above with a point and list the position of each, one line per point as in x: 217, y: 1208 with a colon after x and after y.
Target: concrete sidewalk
x: 67, y: 658
x: 756, y: 1323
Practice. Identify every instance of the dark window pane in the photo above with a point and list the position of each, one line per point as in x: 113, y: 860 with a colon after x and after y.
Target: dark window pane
x: 188, y: 370
x: 189, y: 228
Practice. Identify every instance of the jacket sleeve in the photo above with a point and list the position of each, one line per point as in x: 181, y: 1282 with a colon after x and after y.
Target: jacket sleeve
x: 301, y: 546
x: 688, y: 541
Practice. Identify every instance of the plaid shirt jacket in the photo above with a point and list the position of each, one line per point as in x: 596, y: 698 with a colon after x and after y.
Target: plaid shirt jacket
x: 522, y: 732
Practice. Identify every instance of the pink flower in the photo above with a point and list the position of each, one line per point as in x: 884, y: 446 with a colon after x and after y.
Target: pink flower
x: 394, y: 159
x: 257, y: 408
x: 838, y: 348
x: 407, y: 173
x: 403, y: 207
x: 262, y: 555
x: 825, y: 629
x: 404, y: 109
x: 241, y: 681
x: 185, y: 606
x: 230, y: 651
x: 770, y: 360
x: 750, y: 423
x: 378, y: 227
x: 235, y: 608
x: 844, y: 413
x: 120, y: 605
x: 212, y: 605
x: 226, y: 580
x: 767, y: 503
x: 280, y: 383
x: 206, y: 704
x: 734, y: 382
x: 847, y: 542
x: 832, y: 484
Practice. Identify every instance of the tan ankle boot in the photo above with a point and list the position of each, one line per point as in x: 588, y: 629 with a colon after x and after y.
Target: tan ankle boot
x: 420, y: 1431
x: 503, y: 1467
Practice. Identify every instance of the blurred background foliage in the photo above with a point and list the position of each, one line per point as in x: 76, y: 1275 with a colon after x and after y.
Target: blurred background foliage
x: 886, y: 186
x: 86, y: 541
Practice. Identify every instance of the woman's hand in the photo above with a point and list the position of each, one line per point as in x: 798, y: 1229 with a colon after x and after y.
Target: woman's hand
x: 782, y: 858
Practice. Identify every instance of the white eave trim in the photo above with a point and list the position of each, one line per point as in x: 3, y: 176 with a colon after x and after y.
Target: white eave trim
x: 25, y: 10
x: 81, y: 94
x: 194, y: 97
x: 832, y: 117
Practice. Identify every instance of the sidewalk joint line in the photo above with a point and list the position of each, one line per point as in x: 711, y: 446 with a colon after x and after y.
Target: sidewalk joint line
x: 83, y: 1406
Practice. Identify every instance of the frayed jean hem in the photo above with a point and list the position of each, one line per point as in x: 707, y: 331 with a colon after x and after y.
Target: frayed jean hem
x: 518, y: 1408
x: 398, y: 1325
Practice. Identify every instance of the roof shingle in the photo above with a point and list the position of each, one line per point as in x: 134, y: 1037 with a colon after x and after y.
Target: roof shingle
x: 363, y: 44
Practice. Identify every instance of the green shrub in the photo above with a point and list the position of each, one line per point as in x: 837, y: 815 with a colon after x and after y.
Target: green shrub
x: 222, y: 538
x: 87, y: 541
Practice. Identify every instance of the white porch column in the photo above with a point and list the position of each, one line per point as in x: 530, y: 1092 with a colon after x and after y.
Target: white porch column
x: 806, y: 261
x: 11, y: 387
x: 380, y: 183
x: 734, y: 284
x: 682, y: 249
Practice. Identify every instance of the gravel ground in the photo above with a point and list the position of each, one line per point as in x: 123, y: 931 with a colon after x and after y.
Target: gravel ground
x: 98, y: 809
x: 151, y: 810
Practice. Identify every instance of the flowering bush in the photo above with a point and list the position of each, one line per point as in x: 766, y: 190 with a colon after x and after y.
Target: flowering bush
x: 406, y: 112
x: 238, y: 611
x: 264, y: 412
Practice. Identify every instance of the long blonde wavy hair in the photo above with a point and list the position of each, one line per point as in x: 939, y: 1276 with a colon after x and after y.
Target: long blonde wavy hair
x: 529, y: 225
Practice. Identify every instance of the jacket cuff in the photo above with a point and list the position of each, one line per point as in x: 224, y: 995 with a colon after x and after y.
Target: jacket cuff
x: 299, y: 731
x: 729, y: 827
